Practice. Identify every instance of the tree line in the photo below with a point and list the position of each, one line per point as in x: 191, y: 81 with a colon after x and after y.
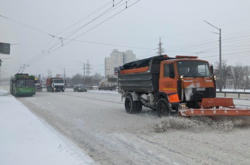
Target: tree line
x: 87, y: 80
x: 233, y: 76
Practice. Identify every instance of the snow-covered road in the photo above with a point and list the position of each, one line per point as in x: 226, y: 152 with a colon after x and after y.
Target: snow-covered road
x: 98, y: 123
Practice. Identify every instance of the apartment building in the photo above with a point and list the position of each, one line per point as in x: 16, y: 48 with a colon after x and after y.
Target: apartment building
x: 117, y: 59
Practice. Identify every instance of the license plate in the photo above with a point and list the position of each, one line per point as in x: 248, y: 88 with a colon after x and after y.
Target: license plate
x: 201, y: 89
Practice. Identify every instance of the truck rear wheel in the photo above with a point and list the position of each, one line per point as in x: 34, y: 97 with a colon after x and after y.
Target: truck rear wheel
x: 162, y: 108
x: 130, y: 105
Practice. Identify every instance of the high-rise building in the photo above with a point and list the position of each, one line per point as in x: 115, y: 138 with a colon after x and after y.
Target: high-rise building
x: 117, y: 59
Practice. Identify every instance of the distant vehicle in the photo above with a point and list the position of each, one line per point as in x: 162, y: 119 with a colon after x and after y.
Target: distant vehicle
x: 22, y: 85
x: 80, y: 88
x: 108, y: 84
x: 38, y: 85
x: 55, y: 84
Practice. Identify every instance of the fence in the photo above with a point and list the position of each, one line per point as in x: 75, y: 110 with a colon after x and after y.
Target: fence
x: 235, y: 93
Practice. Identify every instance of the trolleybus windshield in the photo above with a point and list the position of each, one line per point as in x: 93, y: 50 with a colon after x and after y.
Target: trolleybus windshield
x: 20, y: 83
x: 25, y: 83
x: 29, y: 83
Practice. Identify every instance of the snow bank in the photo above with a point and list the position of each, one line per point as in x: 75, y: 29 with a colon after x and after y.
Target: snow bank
x: 26, y: 139
x: 200, y: 124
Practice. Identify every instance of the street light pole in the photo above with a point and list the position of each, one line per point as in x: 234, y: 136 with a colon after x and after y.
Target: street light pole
x: 220, y: 82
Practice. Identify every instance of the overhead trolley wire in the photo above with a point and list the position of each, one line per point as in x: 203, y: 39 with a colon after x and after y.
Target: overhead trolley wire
x: 27, y: 26
x: 87, y: 30
x: 59, y: 42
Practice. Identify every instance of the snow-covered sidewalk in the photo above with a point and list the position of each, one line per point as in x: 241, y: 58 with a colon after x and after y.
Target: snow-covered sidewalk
x: 27, y: 139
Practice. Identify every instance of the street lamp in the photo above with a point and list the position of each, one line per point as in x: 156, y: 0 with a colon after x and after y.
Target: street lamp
x: 219, y: 52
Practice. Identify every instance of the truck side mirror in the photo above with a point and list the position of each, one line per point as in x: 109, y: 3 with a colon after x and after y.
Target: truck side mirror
x: 212, y: 69
x: 171, y: 74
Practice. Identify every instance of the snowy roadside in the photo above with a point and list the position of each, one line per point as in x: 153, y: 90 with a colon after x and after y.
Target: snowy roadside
x: 27, y: 139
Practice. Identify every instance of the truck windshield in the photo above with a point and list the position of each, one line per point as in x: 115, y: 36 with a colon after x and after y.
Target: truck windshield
x: 58, y: 81
x: 193, y: 69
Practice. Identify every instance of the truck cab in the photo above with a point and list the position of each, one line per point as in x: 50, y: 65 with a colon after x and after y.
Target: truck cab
x: 55, y: 84
x: 191, y: 79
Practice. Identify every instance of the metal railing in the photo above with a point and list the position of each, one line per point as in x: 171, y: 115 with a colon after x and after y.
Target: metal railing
x: 237, y: 93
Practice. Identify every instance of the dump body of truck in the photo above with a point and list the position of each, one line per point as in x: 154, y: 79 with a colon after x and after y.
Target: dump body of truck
x: 55, y: 84
x: 141, y: 76
x: 182, y: 85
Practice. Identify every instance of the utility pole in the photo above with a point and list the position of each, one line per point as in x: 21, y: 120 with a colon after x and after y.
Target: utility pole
x: 161, y: 50
x: 220, y: 82
x: 64, y: 75
x: 88, y: 68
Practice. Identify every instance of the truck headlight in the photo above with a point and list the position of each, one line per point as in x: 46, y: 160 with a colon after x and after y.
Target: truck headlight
x: 181, y: 77
x: 214, y: 77
x: 183, y: 106
x: 54, y: 88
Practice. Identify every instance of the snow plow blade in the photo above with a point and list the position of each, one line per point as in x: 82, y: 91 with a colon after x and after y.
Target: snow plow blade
x: 215, y: 107
x: 214, y: 112
x: 216, y: 102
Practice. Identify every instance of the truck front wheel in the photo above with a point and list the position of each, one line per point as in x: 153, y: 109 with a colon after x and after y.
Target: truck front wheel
x: 130, y: 105
x: 162, y: 108
x: 138, y: 106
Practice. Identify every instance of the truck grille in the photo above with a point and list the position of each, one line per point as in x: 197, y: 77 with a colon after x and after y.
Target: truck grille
x: 195, y: 95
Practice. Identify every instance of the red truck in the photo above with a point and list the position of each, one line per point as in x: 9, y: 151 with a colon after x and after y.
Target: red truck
x: 55, y: 84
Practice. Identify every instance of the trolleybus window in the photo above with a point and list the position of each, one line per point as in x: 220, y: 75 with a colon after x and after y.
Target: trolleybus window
x: 30, y: 83
x: 20, y: 83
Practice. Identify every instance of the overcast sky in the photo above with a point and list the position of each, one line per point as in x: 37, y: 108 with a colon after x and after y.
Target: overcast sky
x: 179, y: 23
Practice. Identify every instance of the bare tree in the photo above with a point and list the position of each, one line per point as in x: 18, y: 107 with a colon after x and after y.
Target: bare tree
x: 225, y: 72
x: 246, y: 77
x: 238, y: 75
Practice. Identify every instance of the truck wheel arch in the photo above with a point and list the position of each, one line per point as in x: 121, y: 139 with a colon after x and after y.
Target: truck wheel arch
x: 160, y: 95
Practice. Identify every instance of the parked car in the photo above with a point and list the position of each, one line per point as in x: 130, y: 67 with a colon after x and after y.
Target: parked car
x: 80, y: 88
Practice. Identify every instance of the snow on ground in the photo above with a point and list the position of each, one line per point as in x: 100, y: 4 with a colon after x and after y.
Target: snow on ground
x: 27, y: 139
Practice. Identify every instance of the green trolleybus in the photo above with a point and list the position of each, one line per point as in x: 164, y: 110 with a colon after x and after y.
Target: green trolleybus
x: 22, y: 85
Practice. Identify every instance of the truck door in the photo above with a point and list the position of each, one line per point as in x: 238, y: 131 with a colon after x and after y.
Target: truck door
x: 167, y: 82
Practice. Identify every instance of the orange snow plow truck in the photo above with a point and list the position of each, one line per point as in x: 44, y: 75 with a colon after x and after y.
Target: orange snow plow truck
x: 183, y: 86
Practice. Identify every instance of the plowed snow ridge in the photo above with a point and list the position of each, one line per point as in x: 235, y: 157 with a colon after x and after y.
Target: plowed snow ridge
x: 200, y: 124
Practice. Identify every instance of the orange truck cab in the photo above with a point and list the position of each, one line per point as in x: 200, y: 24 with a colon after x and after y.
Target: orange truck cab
x: 187, y: 80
